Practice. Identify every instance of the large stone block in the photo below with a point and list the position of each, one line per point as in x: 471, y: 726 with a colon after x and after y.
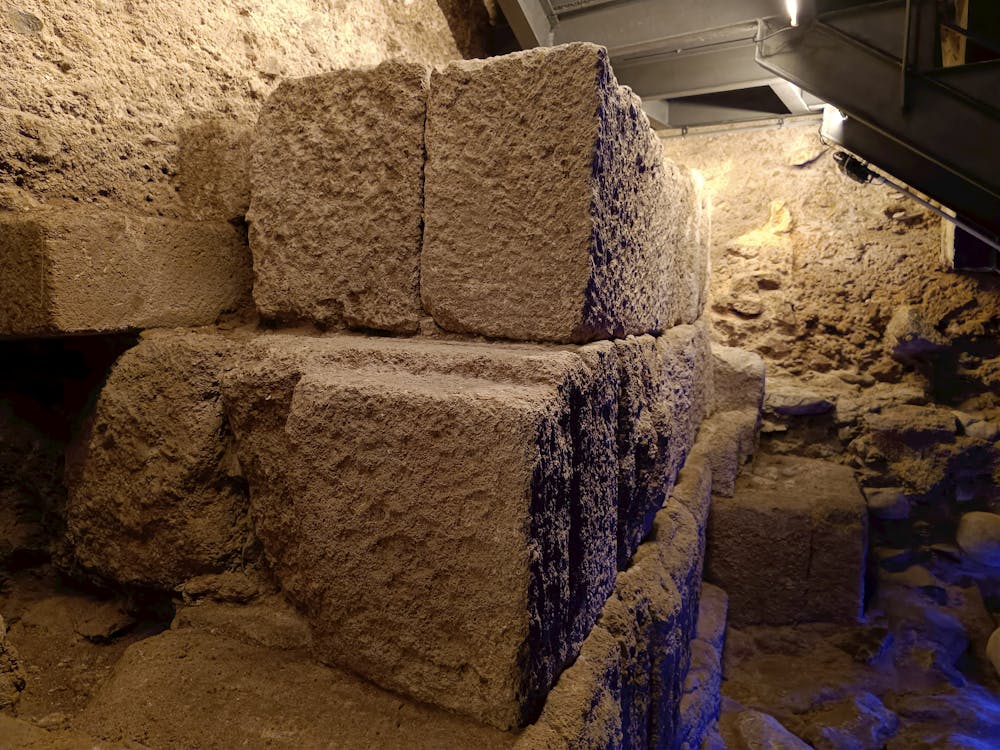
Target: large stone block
x: 550, y: 212
x: 472, y: 487
x: 337, y: 198
x: 624, y: 689
x: 81, y: 270
x: 665, y: 393
x: 154, y: 492
x: 790, y: 545
x: 739, y: 379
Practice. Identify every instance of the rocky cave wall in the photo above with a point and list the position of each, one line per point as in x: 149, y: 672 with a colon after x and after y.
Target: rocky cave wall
x: 94, y: 95
x: 808, y: 268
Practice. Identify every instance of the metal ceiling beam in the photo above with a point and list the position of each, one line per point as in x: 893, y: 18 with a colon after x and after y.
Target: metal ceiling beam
x: 791, y: 96
x: 669, y: 76
x: 530, y: 20
x: 630, y: 27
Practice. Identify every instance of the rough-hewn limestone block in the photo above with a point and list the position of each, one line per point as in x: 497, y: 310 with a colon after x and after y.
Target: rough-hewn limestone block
x: 337, y: 198
x: 624, y: 689
x: 699, y: 707
x: 665, y: 393
x: 213, y: 168
x: 729, y: 440
x: 739, y: 379
x: 154, y: 496
x: 561, y: 221
x: 81, y: 270
x: 790, y: 545
x: 473, y: 486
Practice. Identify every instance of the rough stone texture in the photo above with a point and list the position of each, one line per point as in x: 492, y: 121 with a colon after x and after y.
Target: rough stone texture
x: 808, y: 267
x: 337, y: 198
x: 730, y: 441
x: 699, y: 707
x: 93, y: 94
x: 563, y: 222
x: 624, y: 690
x: 790, y: 545
x: 12, y: 675
x: 665, y: 394
x: 155, y: 495
x: 448, y: 465
x: 787, y: 397
x: 24, y: 735
x: 285, y: 700
x: 753, y: 730
x: 739, y: 379
x: 79, y: 270
x: 213, y: 168
x: 979, y: 537
x: 910, y: 336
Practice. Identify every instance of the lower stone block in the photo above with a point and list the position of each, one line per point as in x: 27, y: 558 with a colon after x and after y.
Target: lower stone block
x: 790, y: 545
x: 155, y: 495
x: 473, y: 487
x: 624, y: 690
x: 81, y: 270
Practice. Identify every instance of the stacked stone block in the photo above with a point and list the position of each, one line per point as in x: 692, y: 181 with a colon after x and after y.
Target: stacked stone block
x: 96, y: 271
x: 501, y: 529
x: 337, y: 198
x: 563, y: 223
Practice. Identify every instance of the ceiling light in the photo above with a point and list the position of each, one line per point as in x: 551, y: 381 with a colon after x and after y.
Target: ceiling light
x: 793, y: 11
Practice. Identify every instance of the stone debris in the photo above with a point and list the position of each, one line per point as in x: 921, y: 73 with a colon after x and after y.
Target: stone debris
x: 155, y: 493
x: 753, y: 730
x: 910, y: 336
x: 979, y: 537
x: 788, y: 398
x: 85, y: 271
x: 888, y: 503
x: 790, y: 546
x: 337, y: 198
x: 544, y: 228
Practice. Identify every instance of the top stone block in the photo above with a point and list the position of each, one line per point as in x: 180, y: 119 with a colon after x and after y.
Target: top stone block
x: 550, y: 214
x: 336, y: 198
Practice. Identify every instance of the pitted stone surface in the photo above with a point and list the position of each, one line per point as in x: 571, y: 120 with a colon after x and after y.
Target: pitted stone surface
x: 739, y: 379
x: 424, y: 470
x: 337, y: 198
x: 154, y: 492
x: 213, y: 168
x: 790, y: 545
x: 561, y: 222
x: 79, y: 270
x: 665, y: 394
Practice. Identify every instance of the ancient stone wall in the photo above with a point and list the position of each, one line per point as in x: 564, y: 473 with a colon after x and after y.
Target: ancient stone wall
x: 95, y: 96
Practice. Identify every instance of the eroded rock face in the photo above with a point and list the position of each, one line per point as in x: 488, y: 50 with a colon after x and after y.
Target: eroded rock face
x: 213, y: 165
x: 155, y: 495
x: 79, y: 270
x: 739, y: 379
x: 563, y: 223
x: 337, y: 198
x: 12, y: 676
